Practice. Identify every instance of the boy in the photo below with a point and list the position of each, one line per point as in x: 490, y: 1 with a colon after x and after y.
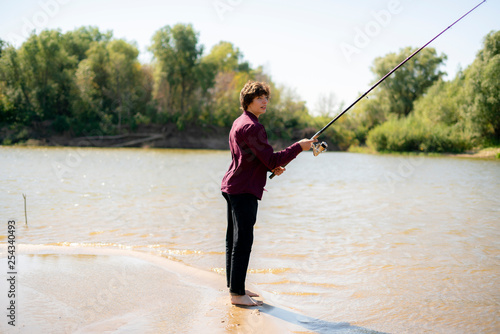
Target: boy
x: 243, y: 184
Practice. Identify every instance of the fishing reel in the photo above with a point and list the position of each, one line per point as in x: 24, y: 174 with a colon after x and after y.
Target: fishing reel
x: 319, y: 147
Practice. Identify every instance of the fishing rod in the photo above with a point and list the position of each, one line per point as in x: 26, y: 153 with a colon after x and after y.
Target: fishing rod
x: 321, y: 147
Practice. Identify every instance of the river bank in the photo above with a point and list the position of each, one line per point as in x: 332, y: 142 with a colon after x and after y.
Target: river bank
x: 154, y: 136
x: 151, y: 136
x: 207, y: 137
x: 477, y: 153
x: 485, y: 153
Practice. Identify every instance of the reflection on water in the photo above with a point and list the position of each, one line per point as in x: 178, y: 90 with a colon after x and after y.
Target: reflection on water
x: 390, y: 243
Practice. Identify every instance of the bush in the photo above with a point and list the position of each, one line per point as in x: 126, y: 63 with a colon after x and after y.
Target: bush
x: 414, y: 135
x: 61, y: 124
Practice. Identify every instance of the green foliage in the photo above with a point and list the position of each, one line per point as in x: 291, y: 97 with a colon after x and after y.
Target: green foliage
x: 86, y: 82
x: 38, y: 78
x: 412, y: 134
x: 366, y: 115
x: 442, y: 102
x: 111, y: 93
x: 77, y: 42
x: 396, y: 95
x: 433, y: 115
x: 470, y: 103
x: 225, y: 102
x: 225, y: 57
x: 286, y: 114
x: 482, y: 90
x: 177, y: 56
x: 2, y: 46
x: 398, y: 92
x: 228, y: 74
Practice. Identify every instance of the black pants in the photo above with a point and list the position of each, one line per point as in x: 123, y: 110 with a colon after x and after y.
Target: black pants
x: 241, y: 217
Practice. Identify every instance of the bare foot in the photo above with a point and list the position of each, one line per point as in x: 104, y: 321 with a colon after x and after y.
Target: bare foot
x: 245, y: 300
x: 251, y: 294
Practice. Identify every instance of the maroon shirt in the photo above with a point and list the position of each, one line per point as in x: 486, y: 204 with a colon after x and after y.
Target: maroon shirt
x: 252, y: 157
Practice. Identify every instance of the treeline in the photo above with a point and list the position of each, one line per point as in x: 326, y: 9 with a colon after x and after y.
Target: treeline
x: 437, y: 115
x: 416, y: 110
x: 85, y: 82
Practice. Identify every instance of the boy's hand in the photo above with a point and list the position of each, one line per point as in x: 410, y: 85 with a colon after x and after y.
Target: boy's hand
x: 278, y: 170
x: 306, y: 144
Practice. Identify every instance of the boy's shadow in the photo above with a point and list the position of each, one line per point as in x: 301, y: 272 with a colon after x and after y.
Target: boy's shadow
x: 314, y: 324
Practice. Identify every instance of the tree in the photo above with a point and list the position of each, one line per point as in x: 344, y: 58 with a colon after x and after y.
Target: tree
x: 87, y: 109
x: 177, y: 54
x: 124, y: 71
x: 288, y: 113
x: 482, y: 90
x: 327, y: 105
x: 3, y: 45
x: 363, y: 117
x: 228, y: 72
x: 397, y: 93
x: 225, y: 57
x: 469, y: 103
x: 40, y: 78
x: 111, y: 86
x: 16, y: 98
x: 78, y: 41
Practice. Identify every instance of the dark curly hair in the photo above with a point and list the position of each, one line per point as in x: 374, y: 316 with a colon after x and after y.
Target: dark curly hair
x: 251, y: 90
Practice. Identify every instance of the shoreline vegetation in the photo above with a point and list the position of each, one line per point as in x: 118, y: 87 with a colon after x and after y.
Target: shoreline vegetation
x: 212, y: 141
x: 88, y: 88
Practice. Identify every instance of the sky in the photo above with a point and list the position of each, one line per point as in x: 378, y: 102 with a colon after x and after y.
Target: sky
x: 316, y: 48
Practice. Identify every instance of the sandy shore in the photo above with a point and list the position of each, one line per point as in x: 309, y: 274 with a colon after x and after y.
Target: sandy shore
x: 91, y: 290
x: 487, y: 153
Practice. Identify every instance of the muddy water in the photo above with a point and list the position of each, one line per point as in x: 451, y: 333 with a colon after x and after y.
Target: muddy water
x: 388, y: 243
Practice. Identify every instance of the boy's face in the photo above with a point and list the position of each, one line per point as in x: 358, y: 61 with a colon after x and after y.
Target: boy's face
x: 258, y: 105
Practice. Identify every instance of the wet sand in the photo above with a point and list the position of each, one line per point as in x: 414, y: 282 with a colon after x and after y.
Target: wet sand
x: 92, y: 290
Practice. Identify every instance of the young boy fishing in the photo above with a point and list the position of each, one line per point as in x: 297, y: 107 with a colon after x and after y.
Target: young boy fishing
x: 243, y: 184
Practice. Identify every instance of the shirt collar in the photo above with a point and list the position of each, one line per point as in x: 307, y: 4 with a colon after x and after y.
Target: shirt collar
x: 252, y: 116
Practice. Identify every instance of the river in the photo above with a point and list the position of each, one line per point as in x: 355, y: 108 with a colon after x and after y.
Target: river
x: 398, y: 244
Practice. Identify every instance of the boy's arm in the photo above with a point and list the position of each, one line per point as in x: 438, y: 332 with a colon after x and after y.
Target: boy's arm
x: 256, y: 138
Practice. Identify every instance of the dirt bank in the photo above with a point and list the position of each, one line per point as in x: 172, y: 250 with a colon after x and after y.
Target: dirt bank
x: 151, y: 136
x: 155, y: 136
